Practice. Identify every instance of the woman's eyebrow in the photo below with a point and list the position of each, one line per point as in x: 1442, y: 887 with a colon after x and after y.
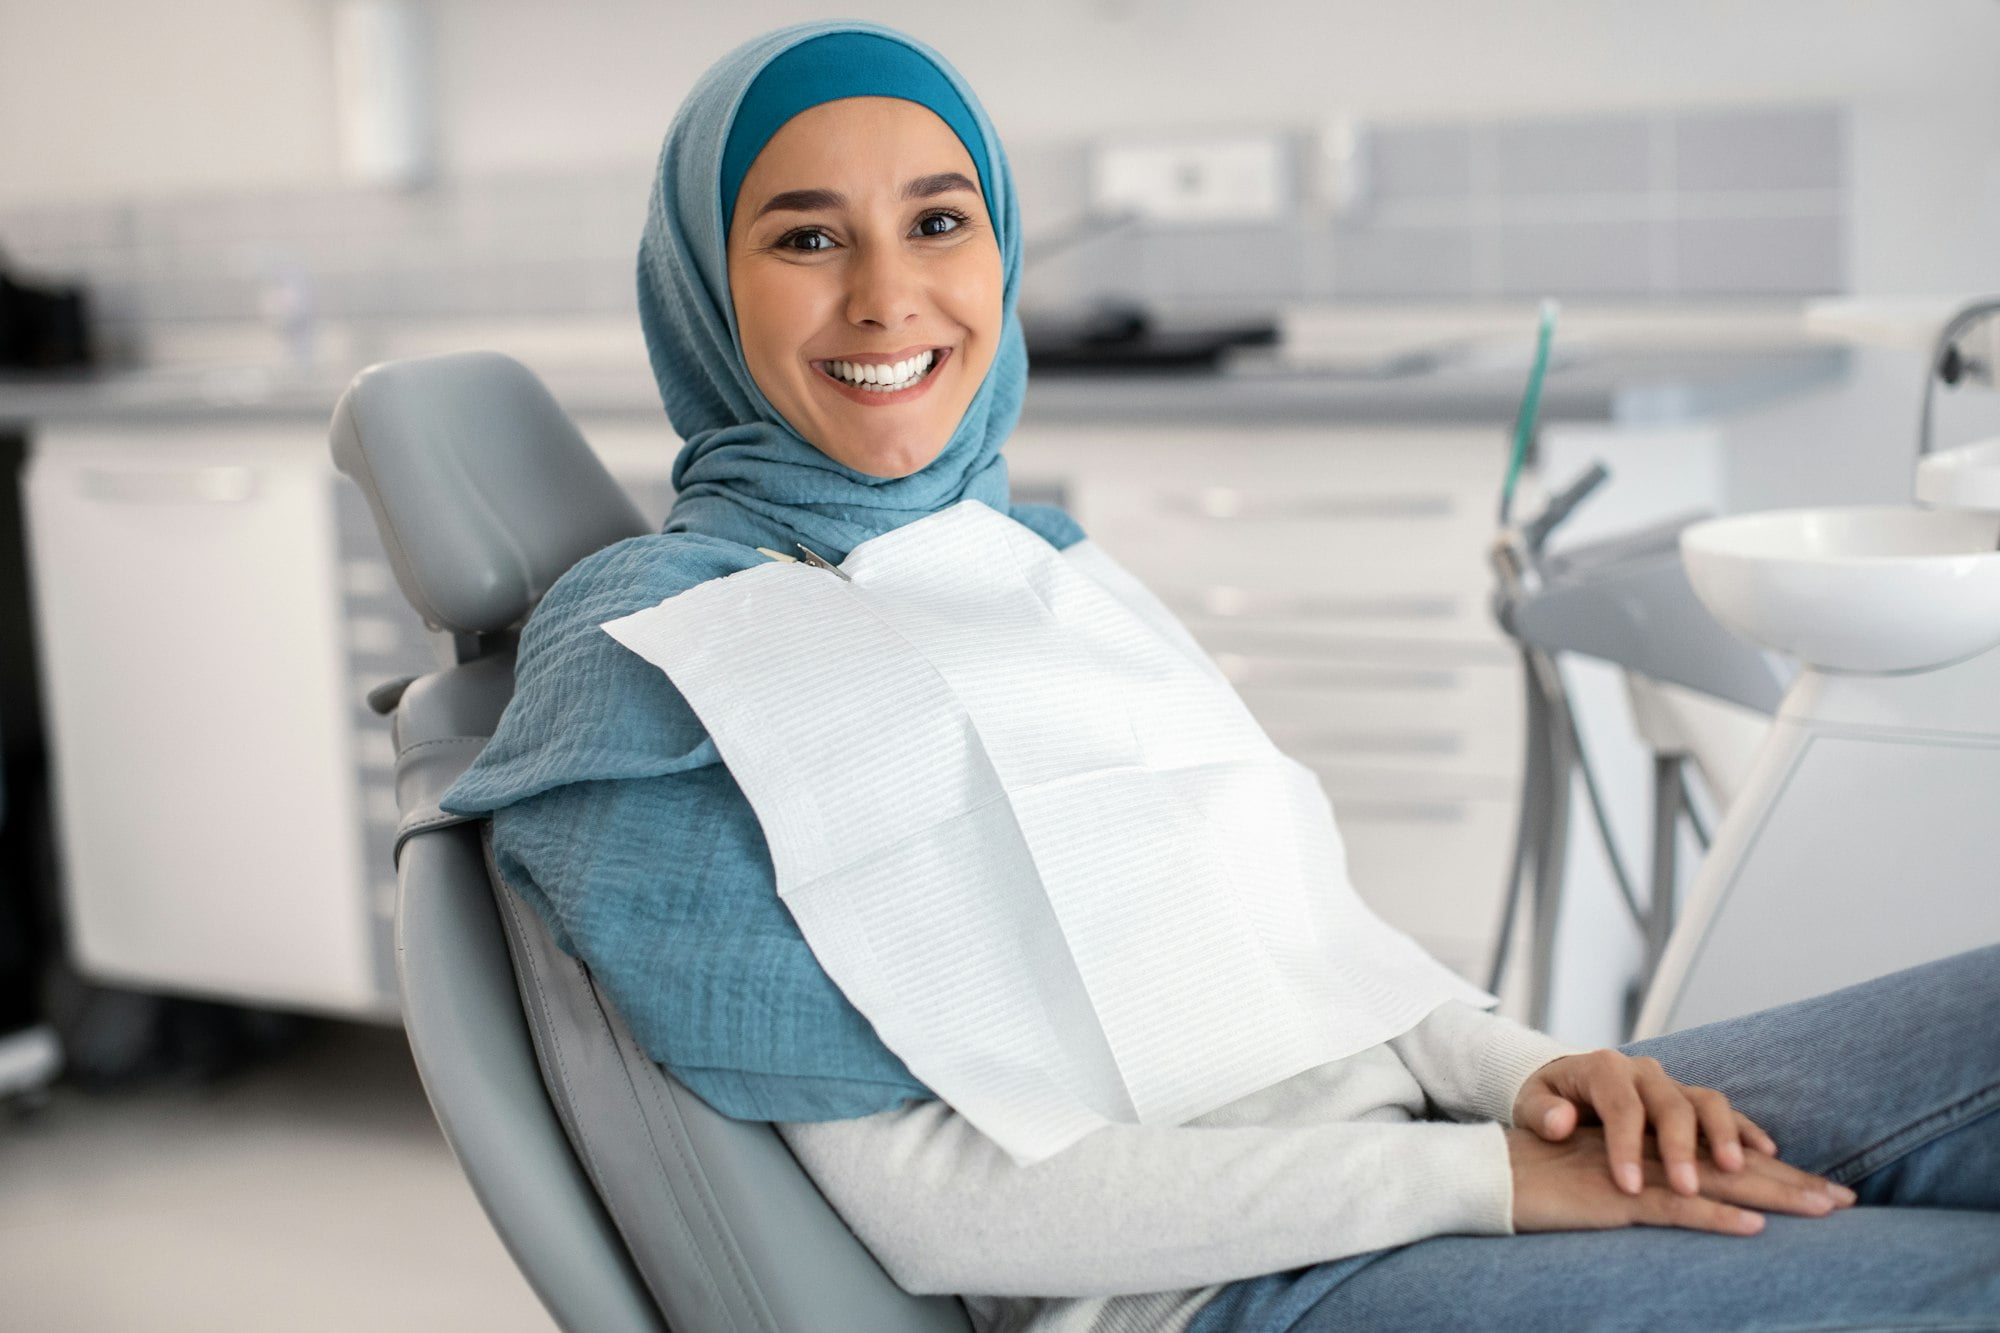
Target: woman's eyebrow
x: 810, y: 201
x: 803, y: 201
x: 943, y: 182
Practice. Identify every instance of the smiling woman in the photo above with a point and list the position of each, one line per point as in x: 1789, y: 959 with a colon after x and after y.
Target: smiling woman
x: 866, y: 280
x: 1042, y: 961
x: 830, y: 200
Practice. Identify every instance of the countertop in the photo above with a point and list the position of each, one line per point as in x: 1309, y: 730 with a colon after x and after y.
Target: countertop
x: 1347, y: 367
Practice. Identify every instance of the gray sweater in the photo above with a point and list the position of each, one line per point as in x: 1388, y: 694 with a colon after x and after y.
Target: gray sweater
x: 1137, y: 1226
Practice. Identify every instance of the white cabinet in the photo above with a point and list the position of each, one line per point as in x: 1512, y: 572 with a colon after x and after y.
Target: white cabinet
x: 186, y: 583
x: 213, y: 604
x: 1339, y: 578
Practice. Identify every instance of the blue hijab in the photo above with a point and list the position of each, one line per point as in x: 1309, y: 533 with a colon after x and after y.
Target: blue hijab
x: 613, y: 814
x: 744, y: 472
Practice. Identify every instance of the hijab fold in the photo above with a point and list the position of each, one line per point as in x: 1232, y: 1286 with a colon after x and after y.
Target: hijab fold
x: 612, y: 813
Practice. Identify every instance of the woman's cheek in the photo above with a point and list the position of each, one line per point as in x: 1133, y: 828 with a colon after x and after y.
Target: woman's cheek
x: 979, y: 298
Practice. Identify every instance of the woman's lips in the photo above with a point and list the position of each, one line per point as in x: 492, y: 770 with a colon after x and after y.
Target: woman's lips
x: 876, y: 397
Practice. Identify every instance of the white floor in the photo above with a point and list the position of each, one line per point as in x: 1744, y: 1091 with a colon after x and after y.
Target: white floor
x: 313, y: 1194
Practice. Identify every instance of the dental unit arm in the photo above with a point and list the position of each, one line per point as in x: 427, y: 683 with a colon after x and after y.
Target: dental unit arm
x: 1625, y: 600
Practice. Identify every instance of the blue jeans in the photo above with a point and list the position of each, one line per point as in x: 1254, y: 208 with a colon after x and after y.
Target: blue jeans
x: 1891, y: 1087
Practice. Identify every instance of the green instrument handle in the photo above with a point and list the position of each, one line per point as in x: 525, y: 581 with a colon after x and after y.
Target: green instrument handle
x: 1531, y: 408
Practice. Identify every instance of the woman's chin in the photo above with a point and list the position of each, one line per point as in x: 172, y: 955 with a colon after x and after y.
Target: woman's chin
x: 888, y: 460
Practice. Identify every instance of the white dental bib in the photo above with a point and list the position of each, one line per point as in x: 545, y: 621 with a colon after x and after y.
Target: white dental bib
x: 1032, y: 833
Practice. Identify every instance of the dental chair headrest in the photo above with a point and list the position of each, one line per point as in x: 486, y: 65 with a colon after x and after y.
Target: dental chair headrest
x: 482, y: 487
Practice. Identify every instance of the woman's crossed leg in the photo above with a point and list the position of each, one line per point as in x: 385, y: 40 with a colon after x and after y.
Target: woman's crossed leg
x: 1891, y: 1087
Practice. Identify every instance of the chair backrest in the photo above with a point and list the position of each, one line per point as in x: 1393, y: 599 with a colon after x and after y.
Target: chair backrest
x: 483, y: 489
x: 628, y: 1203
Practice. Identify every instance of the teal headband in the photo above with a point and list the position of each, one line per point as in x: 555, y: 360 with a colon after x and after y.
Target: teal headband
x: 827, y: 68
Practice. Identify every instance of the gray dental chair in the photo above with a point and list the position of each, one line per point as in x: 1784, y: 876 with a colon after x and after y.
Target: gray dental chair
x: 626, y: 1201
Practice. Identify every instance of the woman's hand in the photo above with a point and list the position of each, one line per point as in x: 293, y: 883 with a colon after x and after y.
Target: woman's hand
x: 1565, y: 1186
x: 1628, y: 1094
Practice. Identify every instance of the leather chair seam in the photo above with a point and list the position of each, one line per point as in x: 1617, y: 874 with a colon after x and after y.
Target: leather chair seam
x: 726, y: 1237
x: 719, y: 1233
x: 554, y: 1042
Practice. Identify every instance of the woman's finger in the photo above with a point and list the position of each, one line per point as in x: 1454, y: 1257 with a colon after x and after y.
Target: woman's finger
x: 1719, y: 1125
x: 1663, y: 1208
x: 1772, y: 1186
x: 1804, y: 1180
x: 1675, y: 1125
x: 1550, y: 1116
x: 1623, y: 1115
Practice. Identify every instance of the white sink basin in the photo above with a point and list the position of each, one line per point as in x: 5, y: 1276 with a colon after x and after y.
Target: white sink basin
x: 1881, y: 589
x: 1967, y: 478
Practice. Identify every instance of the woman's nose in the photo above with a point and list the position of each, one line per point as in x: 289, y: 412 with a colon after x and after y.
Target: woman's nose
x: 884, y: 290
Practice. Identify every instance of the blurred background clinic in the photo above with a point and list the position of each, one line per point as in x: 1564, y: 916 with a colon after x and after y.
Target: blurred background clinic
x: 1289, y: 270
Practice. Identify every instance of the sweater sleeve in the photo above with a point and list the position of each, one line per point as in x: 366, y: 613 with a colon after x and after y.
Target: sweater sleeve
x: 1471, y: 1063
x: 1143, y: 1208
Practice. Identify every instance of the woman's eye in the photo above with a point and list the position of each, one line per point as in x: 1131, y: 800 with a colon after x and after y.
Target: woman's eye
x: 808, y: 240
x: 939, y: 224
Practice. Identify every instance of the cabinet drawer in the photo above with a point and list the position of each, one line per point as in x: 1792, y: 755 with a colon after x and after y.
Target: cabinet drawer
x: 1433, y: 869
x: 1443, y: 718
x: 1401, y: 548
x: 1299, y: 510
x: 1446, y: 608
x: 1281, y: 459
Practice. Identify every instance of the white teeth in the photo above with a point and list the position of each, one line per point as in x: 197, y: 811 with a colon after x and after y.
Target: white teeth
x: 881, y: 378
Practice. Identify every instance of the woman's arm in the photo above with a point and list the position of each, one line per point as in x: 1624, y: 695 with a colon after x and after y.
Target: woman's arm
x: 1476, y: 1064
x: 1142, y: 1208
x: 1472, y: 1063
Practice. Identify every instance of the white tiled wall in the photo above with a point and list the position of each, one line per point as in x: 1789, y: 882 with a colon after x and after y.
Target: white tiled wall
x: 1658, y: 206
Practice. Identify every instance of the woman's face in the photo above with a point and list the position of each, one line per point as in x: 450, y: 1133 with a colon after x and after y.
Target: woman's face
x: 867, y: 281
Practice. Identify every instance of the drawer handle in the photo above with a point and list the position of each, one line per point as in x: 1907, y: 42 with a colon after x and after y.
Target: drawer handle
x: 200, y: 485
x: 1333, y: 746
x: 1226, y: 503
x: 1244, y: 669
x: 1400, y: 812
x: 1243, y: 603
